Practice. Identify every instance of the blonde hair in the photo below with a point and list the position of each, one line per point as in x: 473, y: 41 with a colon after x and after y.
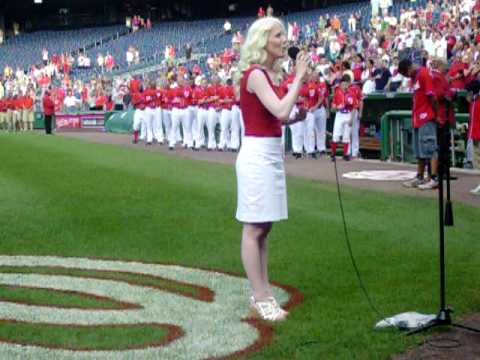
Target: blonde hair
x: 253, y: 50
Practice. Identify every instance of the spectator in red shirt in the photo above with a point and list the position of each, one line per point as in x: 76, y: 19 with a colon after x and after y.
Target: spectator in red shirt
x: 473, y: 89
x: 443, y: 92
x: 457, y: 71
x: 100, y: 101
x: 424, y: 115
x: 109, y: 104
x: 261, y: 12
x: 48, y: 111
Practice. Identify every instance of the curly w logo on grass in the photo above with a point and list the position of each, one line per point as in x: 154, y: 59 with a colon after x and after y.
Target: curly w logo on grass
x: 72, y: 308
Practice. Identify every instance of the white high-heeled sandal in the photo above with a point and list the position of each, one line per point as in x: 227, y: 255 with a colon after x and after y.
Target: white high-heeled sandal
x: 267, y: 309
x: 277, y: 305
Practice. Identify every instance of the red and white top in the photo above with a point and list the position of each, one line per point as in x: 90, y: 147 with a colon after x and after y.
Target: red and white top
x: 227, y: 97
x: 357, y: 92
x: 213, y: 91
x: 150, y: 97
x: 259, y: 122
x: 138, y: 100
x: 442, y: 89
x: 345, y: 100
x: 474, y: 121
x: 323, y: 92
x: 159, y: 98
x: 422, y: 111
x: 199, y: 96
x: 182, y: 97
x: 312, y: 94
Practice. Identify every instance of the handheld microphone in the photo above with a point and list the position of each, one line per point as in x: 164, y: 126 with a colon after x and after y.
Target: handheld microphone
x: 293, y: 52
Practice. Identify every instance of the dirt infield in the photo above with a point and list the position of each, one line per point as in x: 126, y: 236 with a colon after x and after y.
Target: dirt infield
x: 320, y: 169
x: 455, y: 344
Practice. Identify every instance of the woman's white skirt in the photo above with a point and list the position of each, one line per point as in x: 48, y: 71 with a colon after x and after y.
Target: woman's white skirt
x: 261, y: 185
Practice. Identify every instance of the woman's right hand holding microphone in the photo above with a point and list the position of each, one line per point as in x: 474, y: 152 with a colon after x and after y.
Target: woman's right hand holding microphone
x: 302, y: 66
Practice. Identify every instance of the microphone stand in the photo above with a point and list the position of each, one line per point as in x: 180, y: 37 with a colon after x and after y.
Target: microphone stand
x: 445, y: 219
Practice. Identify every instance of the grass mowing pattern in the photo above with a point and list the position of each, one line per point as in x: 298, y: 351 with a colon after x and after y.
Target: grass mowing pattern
x: 82, y: 337
x: 69, y: 198
x: 137, y: 279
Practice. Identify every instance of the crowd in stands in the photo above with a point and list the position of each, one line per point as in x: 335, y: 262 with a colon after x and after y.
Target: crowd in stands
x: 136, y: 22
x: 446, y: 30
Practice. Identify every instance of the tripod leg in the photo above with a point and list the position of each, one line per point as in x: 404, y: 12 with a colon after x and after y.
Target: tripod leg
x: 469, y: 328
x: 423, y: 328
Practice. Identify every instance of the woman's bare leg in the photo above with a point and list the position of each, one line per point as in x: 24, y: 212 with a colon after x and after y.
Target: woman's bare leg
x: 254, y: 258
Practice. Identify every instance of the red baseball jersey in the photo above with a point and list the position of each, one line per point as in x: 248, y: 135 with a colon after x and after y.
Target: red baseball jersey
x: 181, y: 97
x: 138, y: 100
x: 213, y: 91
x: 187, y: 95
x: 28, y: 102
x: 134, y: 85
x: 166, y: 98
x: 159, y: 98
x: 150, y: 97
x: 344, y: 100
x: 227, y: 97
x: 356, y: 91
x: 323, y: 92
x: 18, y: 103
x: 313, y: 95
x: 171, y: 94
x: 200, y: 96
x: 9, y: 104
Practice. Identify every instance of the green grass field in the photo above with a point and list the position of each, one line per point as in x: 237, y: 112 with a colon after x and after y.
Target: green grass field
x: 68, y: 198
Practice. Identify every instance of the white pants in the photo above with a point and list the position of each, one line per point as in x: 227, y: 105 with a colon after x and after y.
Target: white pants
x: 352, y: 26
x: 158, y: 133
x: 212, y: 122
x: 149, y: 121
x: 355, y: 148
x: 298, y: 133
x: 225, y: 125
x: 236, y: 128
x: 194, y: 115
x: 201, y: 121
x: 167, y: 122
x: 143, y: 125
x: 321, y: 128
x: 138, y: 116
x: 309, y: 139
x: 187, y: 121
x: 469, y: 151
x: 178, y: 116
x: 341, y: 128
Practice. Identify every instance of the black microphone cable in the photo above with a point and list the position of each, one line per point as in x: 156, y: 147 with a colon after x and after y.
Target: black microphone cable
x: 349, y: 246
x: 352, y: 258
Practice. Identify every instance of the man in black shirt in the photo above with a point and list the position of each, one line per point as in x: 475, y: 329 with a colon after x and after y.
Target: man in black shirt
x: 382, y: 76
